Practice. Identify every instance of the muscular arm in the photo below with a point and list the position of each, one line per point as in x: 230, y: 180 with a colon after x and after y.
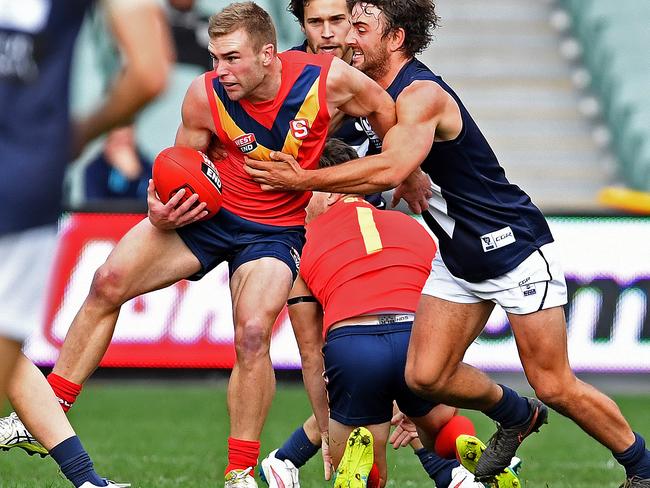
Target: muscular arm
x: 424, y: 111
x: 142, y: 35
x: 307, y: 321
x: 197, y: 128
x: 196, y: 131
x: 420, y: 109
x: 353, y: 93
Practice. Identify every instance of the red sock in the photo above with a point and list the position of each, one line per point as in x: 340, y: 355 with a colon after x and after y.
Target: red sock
x: 373, y: 477
x: 445, y: 445
x: 242, y: 454
x: 66, y: 391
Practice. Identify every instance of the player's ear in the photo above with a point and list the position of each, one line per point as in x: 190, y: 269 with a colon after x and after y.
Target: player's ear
x: 332, y: 198
x: 396, y: 39
x: 268, y: 53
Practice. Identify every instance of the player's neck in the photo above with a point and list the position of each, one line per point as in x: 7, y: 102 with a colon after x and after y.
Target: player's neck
x: 270, y: 86
x: 396, y: 64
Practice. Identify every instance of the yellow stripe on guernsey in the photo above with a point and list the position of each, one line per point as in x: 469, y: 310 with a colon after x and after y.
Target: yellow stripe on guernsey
x: 308, y: 112
x: 369, y: 231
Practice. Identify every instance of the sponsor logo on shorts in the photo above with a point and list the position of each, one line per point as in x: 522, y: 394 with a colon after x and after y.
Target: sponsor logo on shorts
x: 498, y: 238
x: 210, y: 171
x: 246, y: 143
x: 529, y: 289
x: 296, y: 258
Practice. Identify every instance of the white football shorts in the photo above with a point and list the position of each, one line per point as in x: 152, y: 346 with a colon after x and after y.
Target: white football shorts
x: 536, y: 284
x: 24, y: 274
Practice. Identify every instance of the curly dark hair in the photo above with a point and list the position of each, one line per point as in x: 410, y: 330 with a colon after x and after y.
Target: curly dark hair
x: 297, y: 8
x: 418, y: 18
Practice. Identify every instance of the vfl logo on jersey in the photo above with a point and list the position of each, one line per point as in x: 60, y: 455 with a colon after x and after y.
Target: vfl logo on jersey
x: 299, y: 128
x: 498, y: 238
x: 246, y: 143
x: 211, y: 173
x: 364, y: 125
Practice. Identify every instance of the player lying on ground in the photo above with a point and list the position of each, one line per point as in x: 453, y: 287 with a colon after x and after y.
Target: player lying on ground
x: 366, y: 267
x: 495, y: 247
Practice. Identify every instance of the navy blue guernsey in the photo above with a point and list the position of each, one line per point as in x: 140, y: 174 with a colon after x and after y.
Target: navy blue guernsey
x: 300, y: 47
x: 36, y: 50
x: 485, y: 225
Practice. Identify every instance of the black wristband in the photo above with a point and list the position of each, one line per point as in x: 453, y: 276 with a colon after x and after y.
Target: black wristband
x: 301, y: 299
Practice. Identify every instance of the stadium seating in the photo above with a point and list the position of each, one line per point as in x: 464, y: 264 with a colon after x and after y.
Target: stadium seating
x: 615, y: 37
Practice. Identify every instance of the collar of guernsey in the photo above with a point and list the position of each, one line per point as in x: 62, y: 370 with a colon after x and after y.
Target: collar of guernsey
x: 294, y: 122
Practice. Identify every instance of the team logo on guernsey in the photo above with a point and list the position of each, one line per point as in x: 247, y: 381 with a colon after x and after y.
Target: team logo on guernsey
x: 363, y: 124
x: 498, y: 238
x: 246, y: 143
x: 299, y: 128
x: 210, y: 172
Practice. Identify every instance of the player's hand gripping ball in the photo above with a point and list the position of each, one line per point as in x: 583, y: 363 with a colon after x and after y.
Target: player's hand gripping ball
x: 183, y: 167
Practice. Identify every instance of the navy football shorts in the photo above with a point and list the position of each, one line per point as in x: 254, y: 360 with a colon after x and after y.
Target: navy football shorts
x: 228, y: 237
x: 364, y: 367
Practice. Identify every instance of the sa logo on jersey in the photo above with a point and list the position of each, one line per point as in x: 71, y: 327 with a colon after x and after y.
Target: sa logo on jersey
x: 246, y: 143
x: 299, y: 128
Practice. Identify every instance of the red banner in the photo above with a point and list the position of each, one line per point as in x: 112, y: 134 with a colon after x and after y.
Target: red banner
x: 188, y: 324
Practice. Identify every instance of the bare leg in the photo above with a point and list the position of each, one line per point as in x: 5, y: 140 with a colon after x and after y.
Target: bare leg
x: 9, y: 352
x: 338, y: 434
x: 441, y: 334
x: 144, y: 260
x: 542, y: 343
x: 259, y: 291
x: 430, y: 424
x: 34, y: 402
x: 311, y: 429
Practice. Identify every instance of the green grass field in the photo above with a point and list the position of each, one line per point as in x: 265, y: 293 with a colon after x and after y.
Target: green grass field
x: 172, y: 435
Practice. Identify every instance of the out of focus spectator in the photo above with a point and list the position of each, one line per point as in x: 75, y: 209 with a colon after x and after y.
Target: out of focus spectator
x: 114, y: 176
x: 38, y: 138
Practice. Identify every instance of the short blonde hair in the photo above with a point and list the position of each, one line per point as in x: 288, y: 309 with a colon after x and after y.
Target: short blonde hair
x: 249, y: 16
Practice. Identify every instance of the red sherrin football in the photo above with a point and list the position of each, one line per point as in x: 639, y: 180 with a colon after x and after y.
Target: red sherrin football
x: 183, y: 167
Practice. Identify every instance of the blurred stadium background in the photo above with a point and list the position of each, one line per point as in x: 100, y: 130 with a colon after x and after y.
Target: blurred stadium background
x: 560, y: 88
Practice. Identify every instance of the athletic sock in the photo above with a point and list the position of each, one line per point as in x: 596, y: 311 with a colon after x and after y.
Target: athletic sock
x: 297, y: 448
x: 511, y: 410
x: 75, y: 463
x: 242, y: 454
x: 635, y: 459
x: 438, y: 469
x: 445, y: 445
x: 374, y: 480
x: 65, y: 391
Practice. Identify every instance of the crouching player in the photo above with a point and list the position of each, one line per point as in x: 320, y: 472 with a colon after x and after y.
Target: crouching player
x: 367, y: 268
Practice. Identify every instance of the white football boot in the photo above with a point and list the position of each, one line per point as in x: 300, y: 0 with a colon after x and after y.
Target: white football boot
x: 462, y: 478
x: 14, y: 434
x: 277, y: 473
x: 240, y: 478
x: 111, y: 484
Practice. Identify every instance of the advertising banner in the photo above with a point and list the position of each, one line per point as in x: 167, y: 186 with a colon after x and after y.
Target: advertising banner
x: 189, y: 324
